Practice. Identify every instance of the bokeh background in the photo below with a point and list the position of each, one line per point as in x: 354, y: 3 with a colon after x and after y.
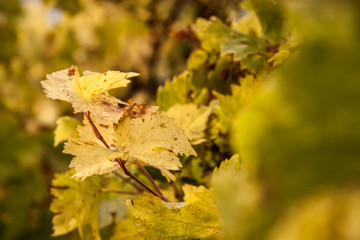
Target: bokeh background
x: 39, y: 37
x: 299, y: 141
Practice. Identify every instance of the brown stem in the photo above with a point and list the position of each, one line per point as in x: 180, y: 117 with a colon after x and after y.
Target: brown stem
x: 149, y: 177
x: 95, y: 130
x: 129, y: 182
x: 119, y: 191
x: 127, y: 172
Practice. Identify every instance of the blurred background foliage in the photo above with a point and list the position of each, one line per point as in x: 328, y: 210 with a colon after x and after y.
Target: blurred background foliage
x: 297, y: 137
x: 39, y: 37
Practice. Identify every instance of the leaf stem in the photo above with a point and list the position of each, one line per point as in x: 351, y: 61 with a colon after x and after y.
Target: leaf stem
x: 149, y: 177
x: 127, y: 172
x: 95, y: 130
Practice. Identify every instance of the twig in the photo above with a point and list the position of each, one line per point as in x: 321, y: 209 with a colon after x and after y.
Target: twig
x: 127, y: 172
x: 149, y: 177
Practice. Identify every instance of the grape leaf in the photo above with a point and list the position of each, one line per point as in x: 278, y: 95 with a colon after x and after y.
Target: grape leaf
x: 226, y: 107
x: 141, y: 134
x: 176, y: 91
x: 248, y: 23
x: 151, y: 137
x: 216, y: 37
x: 104, y: 126
x: 87, y: 93
x: 196, y: 218
x: 196, y: 59
x: 90, y: 158
x: 124, y: 230
x: 75, y: 205
x: 228, y: 170
x: 212, y: 33
x: 65, y: 128
x: 192, y: 119
x: 93, y: 84
x: 271, y: 18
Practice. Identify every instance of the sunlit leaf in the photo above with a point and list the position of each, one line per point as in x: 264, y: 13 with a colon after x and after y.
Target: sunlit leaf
x: 65, y: 128
x: 177, y: 91
x: 90, y: 158
x: 104, y: 126
x: 75, y: 205
x: 87, y: 93
x: 93, y: 84
x: 153, y: 138
x: 125, y: 229
x: 192, y: 119
x: 196, y: 218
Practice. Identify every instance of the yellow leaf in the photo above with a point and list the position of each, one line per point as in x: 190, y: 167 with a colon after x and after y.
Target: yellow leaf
x: 249, y: 23
x: 75, y: 205
x: 87, y: 93
x: 104, y: 126
x: 65, y: 128
x: 196, y: 218
x: 279, y: 57
x: 153, y: 138
x: 90, y: 158
x: 142, y: 134
x: 124, y: 230
x: 93, y: 84
x: 192, y: 119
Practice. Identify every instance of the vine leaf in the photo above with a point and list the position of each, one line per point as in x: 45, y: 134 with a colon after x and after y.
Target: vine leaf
x: 93, y: 84
x: 89, y: 92
x: 65, y: 128
x: 142, y: 134
x: 228, y: 170
x: 124, y: 230
x: 153, y: 138
x: 75, y: 205
x: 192, y: 119
x: 104, y: 126
x: 196, y: 218
x: 90, y: 158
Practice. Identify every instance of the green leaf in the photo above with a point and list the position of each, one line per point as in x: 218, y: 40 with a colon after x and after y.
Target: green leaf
x: 231, y: 192
x: 196, y: 218
x: 196, y: 59
x: 251, y: 54
x: 180, y: 90
x: 212, y: 33
x: 75, y: 205
x: 227, y: 106
x: 228, y: 171
x: 271, y: 17
x: 65, y: 128
x: 176, y: 91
